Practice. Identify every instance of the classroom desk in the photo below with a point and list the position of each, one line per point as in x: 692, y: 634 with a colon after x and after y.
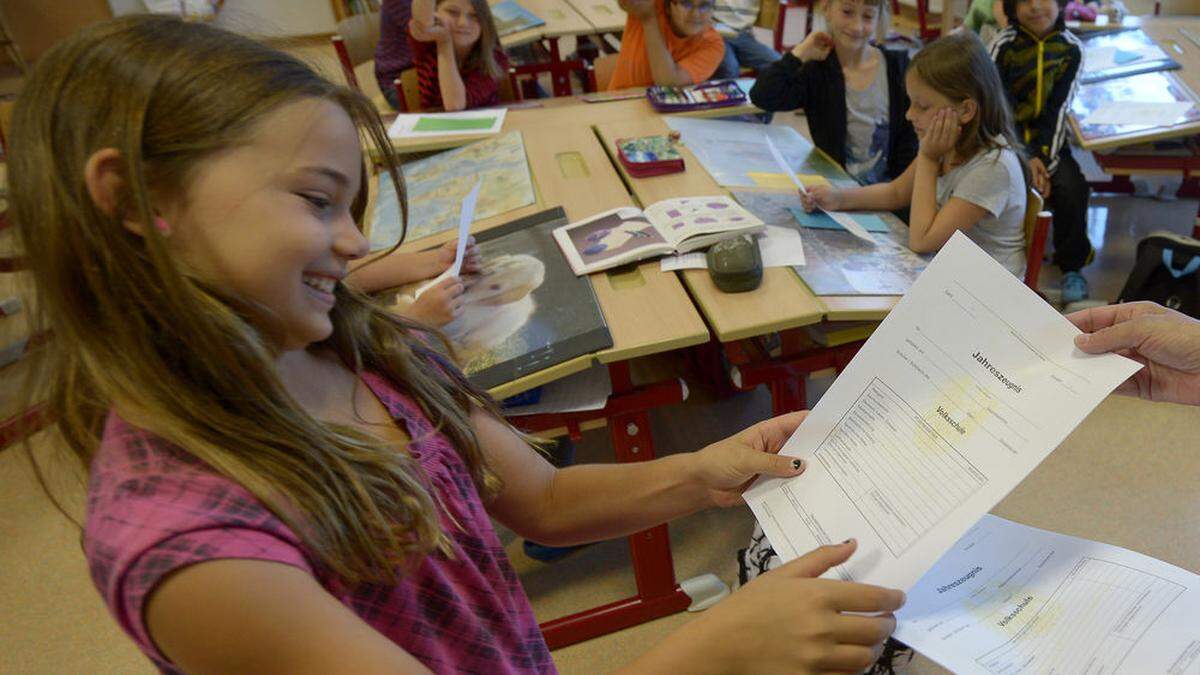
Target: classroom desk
x: 606, y: 16
x: 561, y: 20
x: 538, y: 114
x: 1165, y: 32
x: 560, y: 17
x: 782, y: 304
x: 648, y: 312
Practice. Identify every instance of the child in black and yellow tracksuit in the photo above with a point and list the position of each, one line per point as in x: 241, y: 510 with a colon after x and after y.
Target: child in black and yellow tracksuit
x: 1039, y: 63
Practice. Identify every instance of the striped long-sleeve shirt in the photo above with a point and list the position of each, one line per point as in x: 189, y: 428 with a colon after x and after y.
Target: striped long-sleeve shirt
x: 1040, y: 77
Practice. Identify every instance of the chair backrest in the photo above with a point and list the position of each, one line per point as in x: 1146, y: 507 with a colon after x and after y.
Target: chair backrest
x: 354, y: 42
x: 360, y: 33
x: 411, y: 90
x: 1037, y: 226
x: 603, y: 68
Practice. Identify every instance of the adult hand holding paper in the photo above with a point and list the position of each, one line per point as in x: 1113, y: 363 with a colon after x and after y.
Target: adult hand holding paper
x: 465, y: 217
x: 969, y: 383
x: 840, y: 218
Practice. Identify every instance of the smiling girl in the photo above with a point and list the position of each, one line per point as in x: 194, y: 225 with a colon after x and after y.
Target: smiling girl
x: 852, y: 91
x: 283, y: 476
x: 457, y: 54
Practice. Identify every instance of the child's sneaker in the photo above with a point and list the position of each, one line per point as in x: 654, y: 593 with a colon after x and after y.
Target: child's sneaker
x: 1074, y: 288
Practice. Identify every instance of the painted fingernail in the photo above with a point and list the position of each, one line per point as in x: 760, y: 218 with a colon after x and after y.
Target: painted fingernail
x: 848, y: 541
x: 797, y: 464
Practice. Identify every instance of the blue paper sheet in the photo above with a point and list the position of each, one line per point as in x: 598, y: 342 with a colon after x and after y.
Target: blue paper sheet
x: 819, y: 220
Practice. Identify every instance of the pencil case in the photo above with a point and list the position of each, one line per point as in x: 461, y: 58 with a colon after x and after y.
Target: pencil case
x: 717, y: 94
x: 649, y: 156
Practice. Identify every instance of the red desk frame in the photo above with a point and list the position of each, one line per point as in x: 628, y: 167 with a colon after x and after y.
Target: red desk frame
x: 783, y: 375
x: 658, y: 593
x: 1188, y: 166
x: 560, y: 70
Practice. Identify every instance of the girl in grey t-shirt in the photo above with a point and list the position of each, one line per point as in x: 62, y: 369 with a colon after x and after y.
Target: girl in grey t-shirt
x: 967, y: 175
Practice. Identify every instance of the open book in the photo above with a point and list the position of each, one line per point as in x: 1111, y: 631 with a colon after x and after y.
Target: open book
x: 627, y: 234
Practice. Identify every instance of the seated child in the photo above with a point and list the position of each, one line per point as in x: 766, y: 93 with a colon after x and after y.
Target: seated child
x: 392, y: 54
x: 457, y: 54
x: 851, y: 91
x: 968, y: 174
x: 734, y: 21
x: 1039, y: 61
x: 667, y: 42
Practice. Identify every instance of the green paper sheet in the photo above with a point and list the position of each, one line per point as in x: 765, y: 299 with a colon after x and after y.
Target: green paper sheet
x: 454, y: 124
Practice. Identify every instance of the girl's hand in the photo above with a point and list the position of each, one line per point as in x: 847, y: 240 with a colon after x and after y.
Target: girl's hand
x: 1041, y: 177
x: 435, y: 33
x: 472, y: 261
x: 821, y: 196
x: 815, y: 47
x: 789, y: 621
x: 439, y: 305
x: 726, y: 468
x: 941, y: 136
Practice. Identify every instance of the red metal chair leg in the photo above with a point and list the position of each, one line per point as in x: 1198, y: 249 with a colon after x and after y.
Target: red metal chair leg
x: 658, y: 593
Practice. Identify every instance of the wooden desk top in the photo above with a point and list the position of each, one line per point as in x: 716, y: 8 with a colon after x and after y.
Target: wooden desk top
x: 606, y: 16
x: 1164, y: 30
x: 560, y: 17
x: 782, y: 301
x: 559, y: 111
x: 647, y: 310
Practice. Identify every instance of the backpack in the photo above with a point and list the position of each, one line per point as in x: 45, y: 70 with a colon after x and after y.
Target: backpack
x: 1167, y: 271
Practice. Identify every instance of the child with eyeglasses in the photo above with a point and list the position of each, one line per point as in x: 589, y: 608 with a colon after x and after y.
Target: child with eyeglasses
x: 667, y: 42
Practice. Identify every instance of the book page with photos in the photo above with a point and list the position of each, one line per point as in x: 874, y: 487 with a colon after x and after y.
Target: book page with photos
x: 687, y: 217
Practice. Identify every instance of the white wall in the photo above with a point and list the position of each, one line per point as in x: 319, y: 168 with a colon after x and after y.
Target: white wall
x: 277, y: 18
x: 261, y: 18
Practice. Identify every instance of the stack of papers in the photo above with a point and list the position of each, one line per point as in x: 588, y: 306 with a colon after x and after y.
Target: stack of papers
x: 970, y: 382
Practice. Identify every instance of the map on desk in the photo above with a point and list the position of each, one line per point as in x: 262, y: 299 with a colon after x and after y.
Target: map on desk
x: 736, y: 154
x: 1129, y: 105
x: 511, y: 17
x: 837, y: 262
x: 437, y: 185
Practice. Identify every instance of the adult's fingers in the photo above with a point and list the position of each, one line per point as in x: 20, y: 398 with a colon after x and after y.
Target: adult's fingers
x: 1095, y: 318
x: 863, y: 630
x: 1126, y: 335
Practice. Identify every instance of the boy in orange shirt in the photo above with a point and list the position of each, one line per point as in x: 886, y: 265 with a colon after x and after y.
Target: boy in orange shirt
x: 667, y: 42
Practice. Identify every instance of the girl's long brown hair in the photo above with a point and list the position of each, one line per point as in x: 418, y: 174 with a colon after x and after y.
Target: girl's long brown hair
x: 482, y: 56
x: 136, y: 333
x: 958, y: 67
